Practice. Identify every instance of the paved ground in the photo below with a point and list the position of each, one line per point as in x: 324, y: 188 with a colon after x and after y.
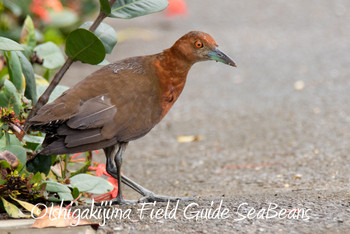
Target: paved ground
x: 275, y: 130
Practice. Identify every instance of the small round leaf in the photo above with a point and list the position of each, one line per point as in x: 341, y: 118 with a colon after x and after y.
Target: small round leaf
x: 83, y: 45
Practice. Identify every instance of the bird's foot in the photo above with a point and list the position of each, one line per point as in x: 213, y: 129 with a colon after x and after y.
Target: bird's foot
x: 161, y: 198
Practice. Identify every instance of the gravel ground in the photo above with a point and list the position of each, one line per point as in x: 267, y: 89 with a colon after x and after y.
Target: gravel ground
x: 274, y: 130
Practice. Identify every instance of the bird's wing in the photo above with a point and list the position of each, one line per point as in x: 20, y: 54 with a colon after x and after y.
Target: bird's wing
x: 93, y: 113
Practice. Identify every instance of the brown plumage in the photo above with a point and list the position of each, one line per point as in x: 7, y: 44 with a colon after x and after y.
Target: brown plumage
x: 122, y: 101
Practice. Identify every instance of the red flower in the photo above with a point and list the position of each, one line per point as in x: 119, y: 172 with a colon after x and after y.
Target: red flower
x: 100, y: 169
x: 39, y: 8
x: 176, y: 7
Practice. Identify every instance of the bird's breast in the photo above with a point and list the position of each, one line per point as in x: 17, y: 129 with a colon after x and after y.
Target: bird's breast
x: 170, y: 94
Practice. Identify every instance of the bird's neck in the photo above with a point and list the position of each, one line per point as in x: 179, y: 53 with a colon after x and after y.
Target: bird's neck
x: 172, y: 71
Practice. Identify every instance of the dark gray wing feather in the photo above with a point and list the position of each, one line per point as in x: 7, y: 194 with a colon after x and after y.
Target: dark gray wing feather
x: 93, y: 113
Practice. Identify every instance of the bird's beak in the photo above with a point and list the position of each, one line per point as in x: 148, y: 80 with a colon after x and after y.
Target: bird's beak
x: 220, y: 56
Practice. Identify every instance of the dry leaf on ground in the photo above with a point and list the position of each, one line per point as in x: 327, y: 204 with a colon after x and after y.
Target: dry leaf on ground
x: 57, y: 216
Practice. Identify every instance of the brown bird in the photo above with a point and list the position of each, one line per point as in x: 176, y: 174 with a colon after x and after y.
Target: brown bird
x: 121, y: 102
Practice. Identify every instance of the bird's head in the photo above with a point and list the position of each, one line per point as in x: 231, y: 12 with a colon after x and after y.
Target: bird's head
x: 198, y: 46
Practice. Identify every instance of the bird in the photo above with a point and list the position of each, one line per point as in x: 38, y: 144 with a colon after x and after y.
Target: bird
x: 122, y: 102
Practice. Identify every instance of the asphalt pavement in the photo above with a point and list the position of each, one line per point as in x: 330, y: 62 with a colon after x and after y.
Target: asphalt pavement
x: 276, y: 129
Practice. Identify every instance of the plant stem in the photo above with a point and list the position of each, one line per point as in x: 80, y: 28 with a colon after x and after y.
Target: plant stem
x: 59, y: 75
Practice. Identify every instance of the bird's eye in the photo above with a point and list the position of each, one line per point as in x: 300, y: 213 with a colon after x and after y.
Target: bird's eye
x: 198, y: 44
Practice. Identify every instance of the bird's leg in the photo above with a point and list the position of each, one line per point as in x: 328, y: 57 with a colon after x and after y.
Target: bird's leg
x: 114, y: 161
x: 113, y: 168
x: 149, y: 196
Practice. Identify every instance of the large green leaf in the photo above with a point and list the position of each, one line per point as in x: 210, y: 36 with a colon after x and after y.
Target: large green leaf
x: 52, y: 55
x: 83, y: 45
x: 18, y: 151
x: 106, y: 34
x: 28, y: 33
x: 41, y: 163
x: 28, y: 72
x: 91, y: 184
x: 9, y: 96
x: 8, y: 45
x: 13, y: 141
x: 127, y: 9
x: 15, y: 69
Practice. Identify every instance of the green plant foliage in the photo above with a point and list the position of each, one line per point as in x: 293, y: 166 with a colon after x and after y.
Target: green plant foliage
x: 29, y: 207
x: 12, y: 210
x: 5, y: 164
x: 15, y: 69
x: 9, y: 45
x: 51, y: 54
x: 61, y: 190
x: 18, y: 151
x: 127, y: 9
x: 41, y: 163
x: 28, y: 33
x: 8, y: 96
x: 13, y: 141
x: 28, y: 72
x: 105, y: 7
x: 13, y: 7
x: 83, y: 45
x: 91, y: 184
x: 106, y: 34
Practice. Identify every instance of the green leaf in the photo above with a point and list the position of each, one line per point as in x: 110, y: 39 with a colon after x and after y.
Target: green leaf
x: 106, y: 34
x: 41, y: 163
x: 13, y: 210
x: 8, y: 44
x: 28, y: 33
x: 2, y: 182
x: 16, y: 10
x: 83, y: 45
x: 62, y: 190
x: 5, y: 164
x: 9, y: 96
x: 15, y: 69
x: 127, y: 9
x: 29, y: 207
x: 28, y: 72
x: 13, y: 141
x: 36, y: 178
x: 91, y: 184
x: 54, y: 35
x: 52, y: 55
x: 55, y: 187
x: 105, y: 7
x: 75, y: 192
x: 33, y: 139
x: 18, y: 151
x: 56, y: 92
